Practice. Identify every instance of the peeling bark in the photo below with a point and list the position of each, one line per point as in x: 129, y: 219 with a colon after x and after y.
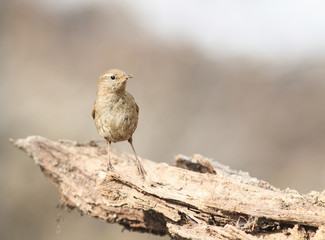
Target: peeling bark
x: 197, y: 199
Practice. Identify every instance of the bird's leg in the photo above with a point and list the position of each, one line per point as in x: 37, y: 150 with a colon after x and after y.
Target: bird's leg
x: 138, y: 163
x: 109, y: 166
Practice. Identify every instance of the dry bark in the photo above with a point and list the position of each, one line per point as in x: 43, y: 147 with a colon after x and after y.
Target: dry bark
x: 206, y: 200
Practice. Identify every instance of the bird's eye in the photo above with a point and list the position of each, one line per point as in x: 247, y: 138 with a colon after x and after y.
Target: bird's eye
x: 113, y: 77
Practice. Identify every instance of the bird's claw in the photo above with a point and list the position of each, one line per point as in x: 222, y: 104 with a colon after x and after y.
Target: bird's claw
x: 110, y: 167
x: 141, y: 170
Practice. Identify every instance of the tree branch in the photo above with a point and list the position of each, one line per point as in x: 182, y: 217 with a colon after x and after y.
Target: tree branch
x: 204, y: 201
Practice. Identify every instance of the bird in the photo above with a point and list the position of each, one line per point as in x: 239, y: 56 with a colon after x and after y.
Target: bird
x: 116, y: 113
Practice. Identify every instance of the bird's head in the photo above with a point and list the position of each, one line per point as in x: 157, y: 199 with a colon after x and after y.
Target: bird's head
x: 113, y: 81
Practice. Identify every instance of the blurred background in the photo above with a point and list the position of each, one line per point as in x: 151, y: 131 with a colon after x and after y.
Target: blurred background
x: 240, y: 82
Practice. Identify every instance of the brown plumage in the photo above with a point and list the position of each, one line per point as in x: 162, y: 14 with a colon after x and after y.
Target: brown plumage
x: 115, y: 111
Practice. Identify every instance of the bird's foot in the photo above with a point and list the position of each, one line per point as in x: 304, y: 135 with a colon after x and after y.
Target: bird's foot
x: 141, y: 170
x: 110, y: 167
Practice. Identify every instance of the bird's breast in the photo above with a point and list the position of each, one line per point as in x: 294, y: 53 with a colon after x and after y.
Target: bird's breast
x: 116, y: 118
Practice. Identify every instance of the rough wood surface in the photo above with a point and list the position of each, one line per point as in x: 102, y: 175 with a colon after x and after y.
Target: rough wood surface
x: 206, y: 200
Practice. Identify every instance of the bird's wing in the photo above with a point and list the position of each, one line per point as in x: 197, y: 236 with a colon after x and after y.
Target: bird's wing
x: 93, y: 113
x: 137, y: 107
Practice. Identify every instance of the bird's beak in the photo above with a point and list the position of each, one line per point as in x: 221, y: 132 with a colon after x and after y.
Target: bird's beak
x: 126, y: 77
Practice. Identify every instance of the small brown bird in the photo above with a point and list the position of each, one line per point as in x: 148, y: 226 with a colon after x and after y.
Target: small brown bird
x: 115, y: 112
